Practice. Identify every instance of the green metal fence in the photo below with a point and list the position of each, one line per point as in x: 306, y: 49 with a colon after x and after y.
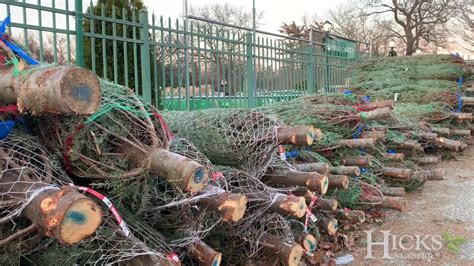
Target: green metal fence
x: 179, y: 64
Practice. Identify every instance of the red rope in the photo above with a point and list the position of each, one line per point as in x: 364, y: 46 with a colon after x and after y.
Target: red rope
x: 9, y: 108
x: 68, y: 143
x: 168, y: 132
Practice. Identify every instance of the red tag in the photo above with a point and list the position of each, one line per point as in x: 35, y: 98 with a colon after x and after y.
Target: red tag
x: 217, y: 175
x: 173, y: 257
x: 281, y: 150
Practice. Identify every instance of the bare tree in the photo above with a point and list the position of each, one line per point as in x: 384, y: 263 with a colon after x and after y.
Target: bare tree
x: 418, y: 20
x: 225, y: 56
x: 349, y: 23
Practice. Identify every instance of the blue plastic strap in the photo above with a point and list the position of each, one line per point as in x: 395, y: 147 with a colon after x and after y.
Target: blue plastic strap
x: 459, y: 103
x: 364, y: 170
x: 366, y: 99
x: 358, y: 132
x: 348, y: 92
x: 4, y: 25
x: 460, y: 83
x: 5, y: 128
x: 17, y: 50
x: 292, y: 154
x: 392, y: 151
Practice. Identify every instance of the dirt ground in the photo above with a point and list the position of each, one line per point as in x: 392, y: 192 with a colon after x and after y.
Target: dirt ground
x: 441, y: 207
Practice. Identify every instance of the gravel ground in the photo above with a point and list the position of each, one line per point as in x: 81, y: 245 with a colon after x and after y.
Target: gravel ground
x: 441, y: 207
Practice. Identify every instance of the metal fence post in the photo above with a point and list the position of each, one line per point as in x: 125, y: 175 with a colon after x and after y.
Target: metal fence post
x: 310, y: 71
x: 79, y: 34
x: 145, y: 56
x: 250, y: 72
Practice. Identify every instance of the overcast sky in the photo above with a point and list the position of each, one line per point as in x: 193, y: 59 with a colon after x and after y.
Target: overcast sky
x: 275, y: 11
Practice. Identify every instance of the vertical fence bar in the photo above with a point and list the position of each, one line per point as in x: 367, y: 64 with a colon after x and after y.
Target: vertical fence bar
x: 79, y: 34
x: 145, y: 56
x: 311, y: 88
x: 250, y: 72
x: 114, y: 44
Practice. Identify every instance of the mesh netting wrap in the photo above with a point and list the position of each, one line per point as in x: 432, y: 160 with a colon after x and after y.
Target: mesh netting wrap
x: 268, y: 240
x: 35, y: 200
x: 240, y: 138
x: 109, y: 246
x: 125, y: 139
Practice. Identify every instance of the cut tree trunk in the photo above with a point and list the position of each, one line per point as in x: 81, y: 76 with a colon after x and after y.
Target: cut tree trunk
x: 460, y: 132
x: 449, y: 144
x: 411, y: 145
x: 467, y: 101
x: 396, y: 157
x: 462, y: 116
x: 380, y: 113
x: 394, y: 203
x: 360, y: 161
x: 204, y: 254
x: 377, y: 105
x: 350, y: 215
x: 322, y: 168
x: 288, y: 205
x: 308, y: 242
x: 443, y: 131
x: 345, y: 170
x: 397, y: 173
x: 328, y: 225
x: 289, y: 254
x: 178, y: 170
x: 425, y: 175
x: 298, y: 136
x: 66, y: 214
x: 231, y: 206
x: 428, y: 136
x: 326, y: 204
x: 357, y: 143
x: 52, y: 90
x: 312, y: 180
x: 428, y: 160
x: 378, y: 135
x: 339, y: 181
x: 393, y: 191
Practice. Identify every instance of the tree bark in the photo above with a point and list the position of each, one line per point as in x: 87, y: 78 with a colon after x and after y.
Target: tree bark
x: 411, y: 145
x: 312, y: 180
x: 425, y: 175
x: 288, y: 253
x: 361, y: 161
x: 462, y: 116
x: 449, y: 144
x: 380, y: 113
x: 231, y: 206
x: 322, y: 168
x: 460, y: 132
x: 204, y: 254
x: 397, y: 173
x: 51, y: 90
x: 66, y: 214
x: 345, y: 170
x: 288, y: 205
x: 350, y: 215
x: 377, y: 135
x: 393, y: 191
x: 394, y: 203
x: 178, y: 170
x: 467, y: 101
x: 339, y: 181
x: 298, y: 136
x: 328, y: 225
x: 443, y: 131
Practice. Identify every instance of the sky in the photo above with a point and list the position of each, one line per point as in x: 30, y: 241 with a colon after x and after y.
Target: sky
x: 275, y: 11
